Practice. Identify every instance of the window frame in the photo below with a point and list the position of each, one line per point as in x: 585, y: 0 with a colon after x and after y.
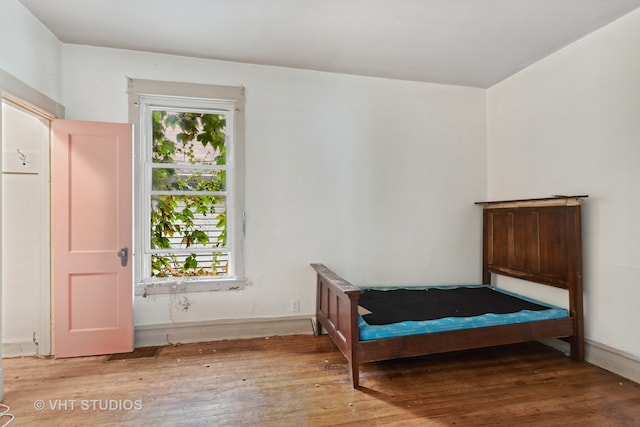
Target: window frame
x: 143, y: 93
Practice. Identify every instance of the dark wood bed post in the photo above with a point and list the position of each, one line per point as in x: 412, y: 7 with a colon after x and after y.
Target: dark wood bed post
x: 574, y: 273
x: 354, y: 332
x: 486, y: 274
x: 318, y: 302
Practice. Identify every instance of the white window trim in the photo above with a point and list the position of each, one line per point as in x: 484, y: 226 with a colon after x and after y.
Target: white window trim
x: 191, y: 95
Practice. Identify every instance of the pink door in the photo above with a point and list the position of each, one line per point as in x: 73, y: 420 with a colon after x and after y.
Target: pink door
x: 92, y: 235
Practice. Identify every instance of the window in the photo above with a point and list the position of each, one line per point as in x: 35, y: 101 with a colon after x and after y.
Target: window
x: 189, y: 185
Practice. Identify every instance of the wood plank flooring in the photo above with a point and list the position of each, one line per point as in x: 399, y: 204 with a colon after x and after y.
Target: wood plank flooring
x: 303, y: 381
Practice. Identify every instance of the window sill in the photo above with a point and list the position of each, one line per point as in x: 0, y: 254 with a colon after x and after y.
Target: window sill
x: 146, y: 289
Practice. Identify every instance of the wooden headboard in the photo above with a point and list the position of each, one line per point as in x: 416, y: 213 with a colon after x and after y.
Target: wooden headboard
x: 537, y: 240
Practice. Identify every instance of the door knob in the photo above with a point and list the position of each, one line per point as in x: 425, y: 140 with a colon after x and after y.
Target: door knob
x: 124, y: 256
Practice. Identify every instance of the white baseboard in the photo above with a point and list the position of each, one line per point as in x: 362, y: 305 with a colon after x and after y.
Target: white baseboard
x: 216, y: 330
x: 558, y: 344
x: 614, y: 360
x: 19, y: 348
x: 605, y: 357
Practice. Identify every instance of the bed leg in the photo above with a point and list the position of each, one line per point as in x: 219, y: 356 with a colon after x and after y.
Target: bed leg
x: 355, y: 374
x: 577, y: 349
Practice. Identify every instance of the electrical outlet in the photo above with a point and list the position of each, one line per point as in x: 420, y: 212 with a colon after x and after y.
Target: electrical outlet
x: 295, y: 305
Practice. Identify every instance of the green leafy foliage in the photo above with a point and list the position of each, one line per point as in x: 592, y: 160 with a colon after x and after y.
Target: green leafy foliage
x: 183, y: 221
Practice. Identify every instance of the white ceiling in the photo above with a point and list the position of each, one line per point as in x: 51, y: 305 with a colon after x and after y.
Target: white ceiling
x: 461, y: 42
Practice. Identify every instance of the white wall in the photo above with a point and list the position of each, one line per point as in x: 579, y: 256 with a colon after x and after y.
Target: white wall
x: 25, y: 233
x: 30, y: 55
x: 28, y: 50
x: 375, y: 178
x: 570, y: 124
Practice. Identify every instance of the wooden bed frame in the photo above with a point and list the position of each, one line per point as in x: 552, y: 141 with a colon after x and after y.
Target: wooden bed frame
x: 537, y: 240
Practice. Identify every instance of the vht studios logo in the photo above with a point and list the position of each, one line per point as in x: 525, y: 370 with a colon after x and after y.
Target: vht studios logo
x: 88, y: 405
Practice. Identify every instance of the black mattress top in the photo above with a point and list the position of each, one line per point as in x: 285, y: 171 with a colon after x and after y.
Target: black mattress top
x: 398, y: 305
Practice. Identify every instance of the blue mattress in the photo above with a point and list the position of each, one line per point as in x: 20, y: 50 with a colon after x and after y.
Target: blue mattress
x: 372, y: 332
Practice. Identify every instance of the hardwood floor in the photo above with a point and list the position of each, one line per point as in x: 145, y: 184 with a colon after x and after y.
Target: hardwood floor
x: 303, y: 381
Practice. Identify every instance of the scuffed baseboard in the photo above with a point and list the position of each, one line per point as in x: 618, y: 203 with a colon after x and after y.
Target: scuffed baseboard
x: 19, y: 348
x: 216, y: 330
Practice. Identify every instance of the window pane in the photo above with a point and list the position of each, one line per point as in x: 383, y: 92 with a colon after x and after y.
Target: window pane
x: 181, y: 265
x: 188, y: 138
x: 181, y: 222
x: 164, y: 179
